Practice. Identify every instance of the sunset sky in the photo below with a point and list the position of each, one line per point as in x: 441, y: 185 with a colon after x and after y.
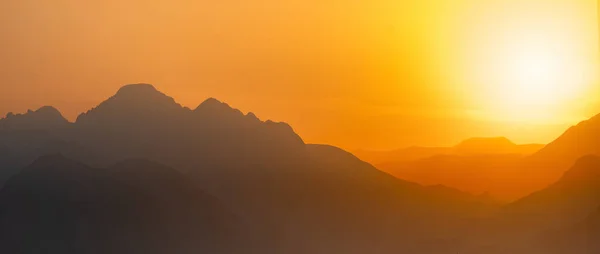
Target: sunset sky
x: 377, y: 74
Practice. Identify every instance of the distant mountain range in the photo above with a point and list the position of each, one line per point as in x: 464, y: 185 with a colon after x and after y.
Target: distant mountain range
x: 492, y: 165
x: 139, y: 173
x: 469, y: 147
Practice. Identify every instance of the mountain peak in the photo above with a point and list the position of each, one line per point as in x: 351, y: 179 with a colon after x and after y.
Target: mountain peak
x: 141, y: 93
x: 213, y: 104
x: 49, y: 110
x: 210, y: 101
x: 214, y: 107
x: 133, y: 101
x: 136, y: 89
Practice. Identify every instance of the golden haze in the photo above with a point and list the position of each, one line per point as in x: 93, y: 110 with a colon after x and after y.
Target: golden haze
x: 377, y: 74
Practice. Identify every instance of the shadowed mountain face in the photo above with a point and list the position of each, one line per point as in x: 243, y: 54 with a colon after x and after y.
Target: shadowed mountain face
x: 57, y: 205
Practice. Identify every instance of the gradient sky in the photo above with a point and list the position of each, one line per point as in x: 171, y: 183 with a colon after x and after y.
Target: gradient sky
x: 358, y: 74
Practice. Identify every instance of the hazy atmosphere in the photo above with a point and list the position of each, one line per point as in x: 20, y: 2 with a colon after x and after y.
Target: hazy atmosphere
x: 358, y: 74
x: 300, y: 127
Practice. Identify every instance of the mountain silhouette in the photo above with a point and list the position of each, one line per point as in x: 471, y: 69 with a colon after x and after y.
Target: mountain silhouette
x: 139, y: 103
x: 139, y: 173
x: 57, y: 205
x: 44, y: 118
x: 303, y: 198
x: 140, y: 121
x: 571, y: 199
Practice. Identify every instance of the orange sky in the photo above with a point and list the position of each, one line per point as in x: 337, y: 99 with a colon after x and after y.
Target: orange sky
x: 358, y: 74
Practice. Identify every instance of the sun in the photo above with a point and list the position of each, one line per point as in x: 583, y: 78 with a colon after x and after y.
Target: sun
x: 535, y: 81
x: 529, y: 66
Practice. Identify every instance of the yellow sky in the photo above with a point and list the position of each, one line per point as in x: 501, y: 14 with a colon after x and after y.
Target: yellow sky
x: 371, y: 74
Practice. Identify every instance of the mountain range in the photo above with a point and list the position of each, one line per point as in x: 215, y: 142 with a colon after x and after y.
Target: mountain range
x: 140, y: 173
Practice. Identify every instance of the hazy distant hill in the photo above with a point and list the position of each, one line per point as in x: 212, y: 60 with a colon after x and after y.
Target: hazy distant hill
x: 498, y: 168
x: 499, y: 145
x: 476, y: 165
x: 486, y: 173
x: 472, y: 146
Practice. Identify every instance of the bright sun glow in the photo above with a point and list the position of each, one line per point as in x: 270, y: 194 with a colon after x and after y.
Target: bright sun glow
x: 538, y: 81
x: 535, y: 79
x: 526, y: 68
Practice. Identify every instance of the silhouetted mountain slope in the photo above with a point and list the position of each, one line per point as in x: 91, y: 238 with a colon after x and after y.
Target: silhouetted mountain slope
x: 576, y: 142
x: 57, y: 205
x: 554, y: 220
x: 45, y: 118
x: 570, y: 200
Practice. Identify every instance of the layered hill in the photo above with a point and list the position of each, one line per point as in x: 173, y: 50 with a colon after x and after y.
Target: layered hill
x: 561, y: 218
x: 57, y: 205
